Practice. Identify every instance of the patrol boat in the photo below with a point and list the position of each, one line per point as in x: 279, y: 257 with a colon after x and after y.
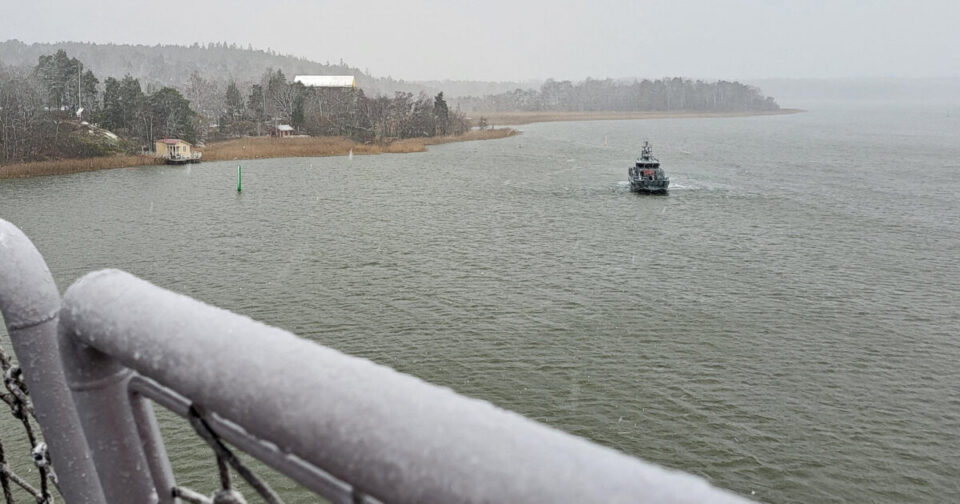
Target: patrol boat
x: 647, y: 176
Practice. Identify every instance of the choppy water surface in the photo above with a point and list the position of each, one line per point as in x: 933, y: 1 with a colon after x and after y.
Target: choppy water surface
x: 784, y: 323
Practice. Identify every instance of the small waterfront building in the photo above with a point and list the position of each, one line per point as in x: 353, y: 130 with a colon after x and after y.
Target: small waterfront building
x: 327, y: 81
x: 172, y: 148
x: 175, y: 151
x: 282, y: 130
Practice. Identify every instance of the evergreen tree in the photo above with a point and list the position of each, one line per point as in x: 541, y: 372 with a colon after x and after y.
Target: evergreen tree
x: 88, y: 93
x: 297, y: 116
x: 111, y: 114
x: 441, y: 114
x: 234, y: 102
x: 256, y: 103
x: 171, y: 116
x: 131, y: 105
x: 59, y: 75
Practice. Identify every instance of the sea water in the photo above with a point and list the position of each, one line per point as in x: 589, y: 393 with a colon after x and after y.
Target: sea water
x: 784, y: 323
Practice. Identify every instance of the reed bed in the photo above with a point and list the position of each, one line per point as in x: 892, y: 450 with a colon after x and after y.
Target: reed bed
x: 64, y: 166
x: 490, y: 134
x: 263, y: 147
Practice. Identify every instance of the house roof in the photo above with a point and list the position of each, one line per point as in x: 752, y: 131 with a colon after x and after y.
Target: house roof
x: 334, y: 81
x: 285, y: 127
x: 172, y: 141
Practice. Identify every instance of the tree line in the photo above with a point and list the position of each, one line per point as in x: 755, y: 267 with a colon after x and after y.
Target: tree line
x: 40, y: 108
x: 172, y: 65
x: 593, y: 95
x: 319, y: 111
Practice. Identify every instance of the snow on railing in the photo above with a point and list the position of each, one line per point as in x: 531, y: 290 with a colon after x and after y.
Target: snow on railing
x: 343, y: 427
x: 30, y: 303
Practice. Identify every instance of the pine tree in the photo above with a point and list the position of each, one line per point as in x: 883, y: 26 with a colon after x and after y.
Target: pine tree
x: 441, y: 114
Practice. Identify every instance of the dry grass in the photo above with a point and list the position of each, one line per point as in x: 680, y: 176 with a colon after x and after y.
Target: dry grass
x: 489, y: 134
x: 264, y: 147
x: 420, y: 144
x: 515, y: 118
x: 253, y: 148
x: 64, y: 166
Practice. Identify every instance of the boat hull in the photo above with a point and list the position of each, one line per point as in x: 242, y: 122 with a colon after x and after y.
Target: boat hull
x: 650, y: 186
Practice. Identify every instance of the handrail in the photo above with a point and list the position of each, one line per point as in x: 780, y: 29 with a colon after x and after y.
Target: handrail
x: 30, y: 303
x: 393, y: 436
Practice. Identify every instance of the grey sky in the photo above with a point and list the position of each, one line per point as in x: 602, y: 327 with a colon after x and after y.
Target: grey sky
x: 515, y: 40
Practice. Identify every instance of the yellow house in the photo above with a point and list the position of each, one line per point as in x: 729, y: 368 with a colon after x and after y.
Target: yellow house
x: 175, y: 151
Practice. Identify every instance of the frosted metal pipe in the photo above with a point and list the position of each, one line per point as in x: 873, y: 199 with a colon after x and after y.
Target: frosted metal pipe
x: 99, y: 384
x: 154, y: 450
x: 393, y: 436
x: 308, y: 475
x: 30, y: 303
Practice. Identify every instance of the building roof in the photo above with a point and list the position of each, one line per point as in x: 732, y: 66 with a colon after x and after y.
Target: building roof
x: 332, y: 81
x: 172, y: 141
x: 284, y: 127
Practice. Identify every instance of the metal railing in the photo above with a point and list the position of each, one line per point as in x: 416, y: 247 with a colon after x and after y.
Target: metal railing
x: 30, y: 304
x: 343, y: 427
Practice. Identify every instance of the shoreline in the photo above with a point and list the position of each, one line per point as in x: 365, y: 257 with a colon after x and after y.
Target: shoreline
x: 250, y: 148
x: 68, y: 166
x: 268, y: 147
x: 520, y: 118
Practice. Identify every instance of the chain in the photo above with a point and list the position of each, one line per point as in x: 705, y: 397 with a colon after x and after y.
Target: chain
x: 17, y: 397
x: 225, y: 458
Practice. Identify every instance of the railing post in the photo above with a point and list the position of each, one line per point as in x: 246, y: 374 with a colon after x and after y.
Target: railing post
x: 153, y: 448
x: 30, y: 304
x: 100, y: 392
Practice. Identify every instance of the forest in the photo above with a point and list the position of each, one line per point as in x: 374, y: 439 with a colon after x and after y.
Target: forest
x: 273, y: 100
x: 221, y: 63
x: 44, y: 112
x: 57, y: 109
x: 172, y: 65
x: 591, y: 95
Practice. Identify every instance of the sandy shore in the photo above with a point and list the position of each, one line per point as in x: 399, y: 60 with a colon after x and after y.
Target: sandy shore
x: 516, y: 118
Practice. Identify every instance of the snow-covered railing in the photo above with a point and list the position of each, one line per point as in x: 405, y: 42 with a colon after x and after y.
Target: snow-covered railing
x: 30, y: 304
x: 343, y: 427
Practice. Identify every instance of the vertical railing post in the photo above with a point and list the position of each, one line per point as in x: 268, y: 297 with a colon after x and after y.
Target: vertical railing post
x: 30, y: 304
x: 153, y: 448
x: 100, y: 391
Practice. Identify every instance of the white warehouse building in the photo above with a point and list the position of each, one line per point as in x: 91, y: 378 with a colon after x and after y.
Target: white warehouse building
x: 327, y: 81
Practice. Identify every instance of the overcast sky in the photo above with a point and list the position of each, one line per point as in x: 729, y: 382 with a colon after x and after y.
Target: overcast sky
x: 518, y: 40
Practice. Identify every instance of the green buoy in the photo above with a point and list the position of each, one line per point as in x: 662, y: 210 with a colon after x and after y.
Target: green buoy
x: 239, y: 178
